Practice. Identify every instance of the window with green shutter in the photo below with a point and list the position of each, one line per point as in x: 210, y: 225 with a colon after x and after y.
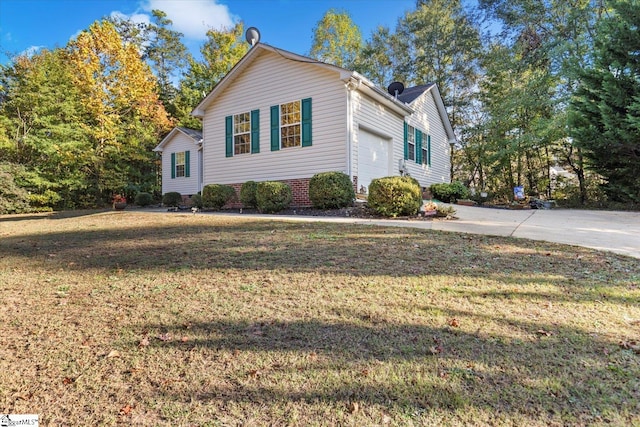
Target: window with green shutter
x: 291, y: 125
x: 406, y: 141
x: 228, y: 136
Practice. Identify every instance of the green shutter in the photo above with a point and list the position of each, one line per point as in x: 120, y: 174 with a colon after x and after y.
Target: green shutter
x: 228, y: 134
x: 419, y: 147
x: 187, y: 166
x: 429, y: 150
x: 306, y: 122
x: 275, y: 128
x: 406, y: 141
x: 173, y: 165
x: 255, y: 131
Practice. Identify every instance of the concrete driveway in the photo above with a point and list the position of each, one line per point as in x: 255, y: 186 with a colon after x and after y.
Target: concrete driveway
x: 612, y: 231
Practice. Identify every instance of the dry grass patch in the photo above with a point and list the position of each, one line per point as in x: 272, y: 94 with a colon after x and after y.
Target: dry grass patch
x: 176, y: 319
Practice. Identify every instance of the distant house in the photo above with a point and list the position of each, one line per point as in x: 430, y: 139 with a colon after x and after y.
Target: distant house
x: 284, y: 117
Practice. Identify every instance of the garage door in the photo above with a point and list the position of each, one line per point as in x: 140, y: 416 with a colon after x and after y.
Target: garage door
x: 373, y: 157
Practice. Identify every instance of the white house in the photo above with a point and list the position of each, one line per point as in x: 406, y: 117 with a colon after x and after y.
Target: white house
x: 280, y: 116
x: 181, y: 161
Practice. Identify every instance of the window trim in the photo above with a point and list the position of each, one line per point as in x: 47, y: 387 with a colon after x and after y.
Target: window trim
x: 245, y: 132
x: 411, y: 143
x: 181, y: 160
x: 290, y: 125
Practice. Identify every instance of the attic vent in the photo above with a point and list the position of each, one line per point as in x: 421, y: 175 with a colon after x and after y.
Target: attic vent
x: 395, y: 89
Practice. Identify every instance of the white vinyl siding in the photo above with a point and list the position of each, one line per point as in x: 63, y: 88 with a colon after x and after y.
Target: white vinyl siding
x: 180, y: 143
x: 273, y: 80
x: 427, y: 119
x: 373, y: 117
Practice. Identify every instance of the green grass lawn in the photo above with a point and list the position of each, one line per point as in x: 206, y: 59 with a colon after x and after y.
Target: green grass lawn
x: 191, y: 320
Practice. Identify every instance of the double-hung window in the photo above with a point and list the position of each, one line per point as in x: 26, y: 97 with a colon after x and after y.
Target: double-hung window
x: 411, y: 142
x: 290, y: 125
x: 417, y: 145
x: 180, y: 164
x: 242, y: 133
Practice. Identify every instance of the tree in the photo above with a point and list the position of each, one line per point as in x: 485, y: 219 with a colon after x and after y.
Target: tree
x: 336, y: 39
x: 123, y: 117
x: 40, y: 116
x: 222, y: 50
x: 167, y: 55
x: 605, y: 115
x: 558, y: 35
x: 438, y: 43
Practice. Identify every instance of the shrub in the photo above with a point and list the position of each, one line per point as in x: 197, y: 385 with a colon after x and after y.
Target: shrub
x: 13, y: 199
x: 445, y: 211
x: 215, y: 196
x: 395, y: 195
x: 196, y: 200
x: 330, y: 190
x: 143, y: 199
x: 248, y: 194
x: 273, y: 196
x: 449, y: 193
x: 172, y: 198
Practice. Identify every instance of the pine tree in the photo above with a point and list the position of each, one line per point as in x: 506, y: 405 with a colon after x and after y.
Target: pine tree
x: 606, y: 107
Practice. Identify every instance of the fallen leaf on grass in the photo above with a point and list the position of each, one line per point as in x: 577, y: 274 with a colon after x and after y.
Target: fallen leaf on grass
x: 113, y: 353
x: 67, y: 381
x: 353, y: 407
x: 630, y: 345
x: 126, y: 410
x: 254, y: 373
x: 454, y: 323
x: 144, y: 342
x: 23, y: 396
x: 164, y: 337
x: 542, y: 332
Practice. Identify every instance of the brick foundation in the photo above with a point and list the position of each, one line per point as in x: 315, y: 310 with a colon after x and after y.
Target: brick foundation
x: 299, y: 191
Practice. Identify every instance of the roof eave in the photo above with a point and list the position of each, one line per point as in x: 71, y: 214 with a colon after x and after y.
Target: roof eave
x: 366, y: 86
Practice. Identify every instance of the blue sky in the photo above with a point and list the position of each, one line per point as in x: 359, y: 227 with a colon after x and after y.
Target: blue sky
x: 27, y: 25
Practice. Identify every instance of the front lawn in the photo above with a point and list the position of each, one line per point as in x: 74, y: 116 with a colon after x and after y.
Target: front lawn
x: 193, y: 320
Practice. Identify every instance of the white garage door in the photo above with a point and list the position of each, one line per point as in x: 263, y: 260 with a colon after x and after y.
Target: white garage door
x: 373, y: 157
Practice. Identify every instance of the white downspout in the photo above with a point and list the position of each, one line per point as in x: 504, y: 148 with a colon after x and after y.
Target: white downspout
x: 351, y: 85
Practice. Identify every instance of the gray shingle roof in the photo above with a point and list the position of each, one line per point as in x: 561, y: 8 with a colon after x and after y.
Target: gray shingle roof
x: 411, y: 93
x: 195, y: 134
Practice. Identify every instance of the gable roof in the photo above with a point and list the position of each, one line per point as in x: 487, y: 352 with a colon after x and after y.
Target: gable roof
x: 412, y: 93
x: 360, y: 82
x: 194, y: 134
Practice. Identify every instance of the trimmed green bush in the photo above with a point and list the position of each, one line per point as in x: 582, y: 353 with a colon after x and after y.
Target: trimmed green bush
x: 331, y: 190
x: 196, y: 200
x: 273, y: 196
x: 248, y: 194
x: 215, y: 196
x: 172, y: 199
x: 449, y: 193
x: 13, y: 199
x: 143, y: 199
x: 394, y: 196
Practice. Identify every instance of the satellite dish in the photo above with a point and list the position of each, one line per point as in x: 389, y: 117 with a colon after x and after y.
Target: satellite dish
x: 252, y: 35
x: 395, y: 89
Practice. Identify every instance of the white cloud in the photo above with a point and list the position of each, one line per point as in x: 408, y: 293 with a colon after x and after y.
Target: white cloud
x: 30, y: 51
x: 138, y: 18
x: 194, y: 18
